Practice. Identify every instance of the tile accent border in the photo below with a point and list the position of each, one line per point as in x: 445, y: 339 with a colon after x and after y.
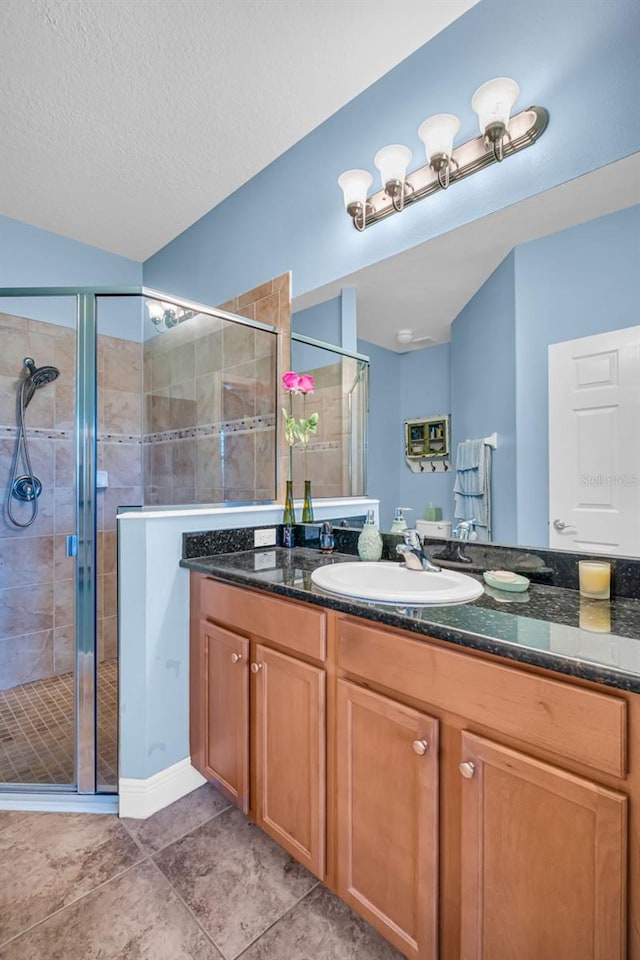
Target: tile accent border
x: 45, y: 433
x: 139, y: 799
x: 38, y: 433
x: 246, y: 425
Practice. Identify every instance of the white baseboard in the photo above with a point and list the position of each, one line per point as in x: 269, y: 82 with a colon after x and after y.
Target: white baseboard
x: 142, y: 798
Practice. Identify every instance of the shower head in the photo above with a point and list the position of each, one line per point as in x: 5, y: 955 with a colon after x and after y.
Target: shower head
x: 40, y: 375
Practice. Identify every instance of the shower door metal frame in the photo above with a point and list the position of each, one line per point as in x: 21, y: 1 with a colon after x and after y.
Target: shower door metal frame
x: 82, y: 794
x: 86, y: 530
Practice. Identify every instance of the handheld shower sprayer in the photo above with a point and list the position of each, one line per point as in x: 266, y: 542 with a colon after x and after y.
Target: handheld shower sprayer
x: 27, y: 487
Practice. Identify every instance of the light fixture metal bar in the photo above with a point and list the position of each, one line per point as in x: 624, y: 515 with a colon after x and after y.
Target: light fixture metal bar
x: 524, y: 129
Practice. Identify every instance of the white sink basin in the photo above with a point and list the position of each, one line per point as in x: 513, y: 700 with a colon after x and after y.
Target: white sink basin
x: 393, y: 583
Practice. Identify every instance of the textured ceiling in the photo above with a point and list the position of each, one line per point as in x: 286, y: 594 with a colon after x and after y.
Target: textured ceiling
x: 124, y: 122
x: 425, y: 288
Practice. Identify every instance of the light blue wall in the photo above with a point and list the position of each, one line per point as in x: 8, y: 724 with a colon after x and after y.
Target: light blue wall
x: 349, y: 318
x: 577, y: 59
x: 483, y: 386
x: 334, y: 321
x: 425, y: 391
x: 573, y: 284
x: 402, y: 386
x: 386, y: 444
x: 322, y: 322
x: 30, y: 257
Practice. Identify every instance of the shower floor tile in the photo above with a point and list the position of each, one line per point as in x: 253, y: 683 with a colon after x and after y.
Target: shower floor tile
x: 37, y: 729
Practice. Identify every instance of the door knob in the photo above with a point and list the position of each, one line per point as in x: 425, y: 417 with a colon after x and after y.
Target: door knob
x: 256, y: 667
x: 560, y: 525
x: 420, y: 747
x: 236, y: 657
x: 467, y: 769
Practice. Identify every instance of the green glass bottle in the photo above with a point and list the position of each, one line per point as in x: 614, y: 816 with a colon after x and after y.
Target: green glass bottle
x: 307, y: 508
x: 289, y: 515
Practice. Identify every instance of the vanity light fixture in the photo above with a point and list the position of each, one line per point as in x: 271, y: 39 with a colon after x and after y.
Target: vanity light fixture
x: 392, y: 162
x: 438, y: 133
x: 354, y: 184
x: 501, y: 135
x: 493, y: 101
x: 166, y: 315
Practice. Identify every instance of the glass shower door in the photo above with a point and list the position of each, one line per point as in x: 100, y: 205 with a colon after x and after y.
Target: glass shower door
x: 37, y: 574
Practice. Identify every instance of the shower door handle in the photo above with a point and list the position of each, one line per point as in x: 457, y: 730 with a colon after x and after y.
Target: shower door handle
x: 72, y: 545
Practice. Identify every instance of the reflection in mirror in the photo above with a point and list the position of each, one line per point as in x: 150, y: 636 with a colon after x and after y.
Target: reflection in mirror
x: 334, y: 460
x: 525, y: 325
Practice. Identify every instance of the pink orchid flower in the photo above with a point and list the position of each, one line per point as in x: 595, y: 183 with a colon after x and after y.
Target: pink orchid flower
x: 298, y: 382
x: 290, y: 381
x: 305, y: 383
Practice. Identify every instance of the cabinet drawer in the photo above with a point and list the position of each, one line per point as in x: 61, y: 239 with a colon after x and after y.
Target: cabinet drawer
x: 292, y: 625
x: 583, y: 725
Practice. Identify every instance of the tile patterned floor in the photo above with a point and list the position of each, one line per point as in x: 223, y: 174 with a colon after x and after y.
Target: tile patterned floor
x: 197, y: 881
x: 37, y: 729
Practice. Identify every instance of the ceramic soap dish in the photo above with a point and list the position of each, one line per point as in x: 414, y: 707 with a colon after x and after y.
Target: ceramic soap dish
x: 506, y: 580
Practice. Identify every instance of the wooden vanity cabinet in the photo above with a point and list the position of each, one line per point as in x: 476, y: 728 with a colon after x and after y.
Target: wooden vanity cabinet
x: 387, y: 817
x: 289, y: 745
x: 533, y: 857
x: 258, y: 714
x: 223, y: 753
x: 467, y: 807
x: 543, y: 860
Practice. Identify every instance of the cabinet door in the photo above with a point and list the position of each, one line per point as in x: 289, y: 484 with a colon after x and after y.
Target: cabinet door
x: 290, y: 755
x: 387, y: 783
x: 226, y: 711
x: 543, y: 860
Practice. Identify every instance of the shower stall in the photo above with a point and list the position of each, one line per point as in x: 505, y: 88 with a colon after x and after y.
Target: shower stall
x: 109, y: 398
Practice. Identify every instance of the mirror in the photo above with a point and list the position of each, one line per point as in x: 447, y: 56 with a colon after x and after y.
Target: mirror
x: 524, y: 325
x: 334, y: 458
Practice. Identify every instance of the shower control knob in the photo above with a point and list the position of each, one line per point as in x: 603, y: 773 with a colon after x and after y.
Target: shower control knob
x: 236, y: 657
x: 26, y: 488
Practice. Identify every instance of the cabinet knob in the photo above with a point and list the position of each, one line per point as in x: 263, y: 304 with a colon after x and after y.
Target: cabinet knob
x: 420, y: 747
x: 256, y: 667
x: 467, y: 769
x: 236, y: 657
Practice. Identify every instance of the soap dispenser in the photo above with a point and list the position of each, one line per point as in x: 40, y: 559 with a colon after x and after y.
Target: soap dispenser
x: 399, y: 523
x: 370, y: 541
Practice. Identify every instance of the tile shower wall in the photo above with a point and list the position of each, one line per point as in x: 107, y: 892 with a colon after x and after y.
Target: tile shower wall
x: 36, y: 595
x: 37, y: 629
x: 270, y: 302
x: 120, y: 454
x: 210, y: 404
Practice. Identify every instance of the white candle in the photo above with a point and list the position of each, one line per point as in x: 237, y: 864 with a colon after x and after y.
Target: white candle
x: 595, y: 616
x: 595, y: 579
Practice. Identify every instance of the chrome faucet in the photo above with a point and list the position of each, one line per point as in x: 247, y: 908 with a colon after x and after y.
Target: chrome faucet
x: 414, y: 554
x: 464, y: 530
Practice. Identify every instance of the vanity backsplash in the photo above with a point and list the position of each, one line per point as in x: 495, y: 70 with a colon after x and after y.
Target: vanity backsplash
x: 556, y: 568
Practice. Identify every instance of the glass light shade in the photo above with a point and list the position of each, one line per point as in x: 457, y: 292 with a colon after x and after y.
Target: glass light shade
x: 155, y: 309
x: 355, y: 184
x: 493, y: 101
x: 437, y: 134
x: 392, y: 162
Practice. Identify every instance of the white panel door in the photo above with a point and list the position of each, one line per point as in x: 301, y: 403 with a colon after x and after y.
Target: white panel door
x: 594, y: 443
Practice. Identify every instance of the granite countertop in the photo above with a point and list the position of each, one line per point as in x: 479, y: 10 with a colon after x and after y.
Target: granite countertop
x: 547, y: 626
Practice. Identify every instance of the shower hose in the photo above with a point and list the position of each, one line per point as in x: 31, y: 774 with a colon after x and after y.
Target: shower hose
x: 22, y: 446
